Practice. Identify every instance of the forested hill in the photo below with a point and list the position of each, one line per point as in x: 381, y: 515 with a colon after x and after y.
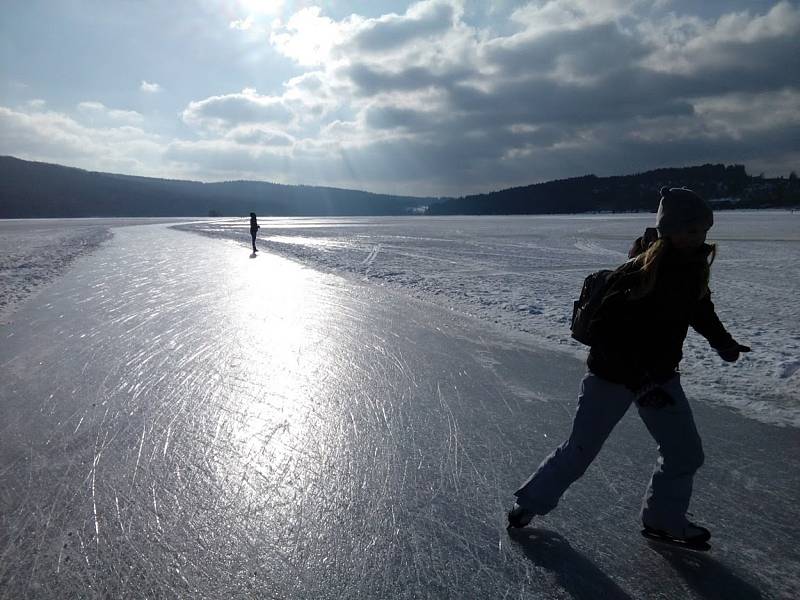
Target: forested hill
x: 33, y: 189
x: 726, y: 186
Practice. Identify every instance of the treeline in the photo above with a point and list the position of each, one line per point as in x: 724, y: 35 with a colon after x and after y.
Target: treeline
x: 33, y: 189
x: 727, y: 186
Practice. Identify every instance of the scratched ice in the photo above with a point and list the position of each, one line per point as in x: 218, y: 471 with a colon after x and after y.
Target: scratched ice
x: 180, y: 420
x: 522, y: 272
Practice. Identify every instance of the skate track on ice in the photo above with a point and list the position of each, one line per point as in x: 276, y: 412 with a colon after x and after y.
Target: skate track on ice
x: 180, y: 420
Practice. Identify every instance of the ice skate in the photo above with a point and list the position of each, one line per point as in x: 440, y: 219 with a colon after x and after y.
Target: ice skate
x: 689, y: 536
x: 519, y: 517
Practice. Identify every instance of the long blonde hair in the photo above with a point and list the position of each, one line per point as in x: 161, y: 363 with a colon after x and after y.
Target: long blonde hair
x: 648, y: 264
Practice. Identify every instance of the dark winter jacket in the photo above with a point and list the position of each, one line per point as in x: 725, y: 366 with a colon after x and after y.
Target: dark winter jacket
x: 641, y: 340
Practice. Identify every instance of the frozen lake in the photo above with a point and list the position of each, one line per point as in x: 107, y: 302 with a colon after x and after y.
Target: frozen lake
x: 523, y: 273
x: 180, y: 420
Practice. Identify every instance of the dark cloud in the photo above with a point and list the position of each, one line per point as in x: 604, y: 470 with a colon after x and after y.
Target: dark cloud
x: 609, y: 84
x: 455, y: 110
x: 422, y: 103
x: 370, y: 80
x: 482, y: 164
x: 739, y: 66
x: 590, y: 52
x: 545, y: 101
x: 390, y: 117
x: 602, y: 98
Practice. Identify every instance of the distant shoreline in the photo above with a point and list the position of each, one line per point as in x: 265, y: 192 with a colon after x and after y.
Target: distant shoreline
x: 144, y: 220
x: 34, y: 189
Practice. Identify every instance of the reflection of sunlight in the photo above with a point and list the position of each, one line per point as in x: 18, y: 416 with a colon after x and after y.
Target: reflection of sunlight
x: 279, y: 354
x: 299, y: 240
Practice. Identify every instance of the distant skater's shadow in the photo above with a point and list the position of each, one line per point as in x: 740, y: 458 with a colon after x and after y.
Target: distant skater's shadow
x: 707, y: 577
x: 574, y: 572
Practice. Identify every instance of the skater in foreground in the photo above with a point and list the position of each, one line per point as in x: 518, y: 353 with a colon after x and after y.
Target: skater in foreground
x: 254, y: 227
x: 636, y: 338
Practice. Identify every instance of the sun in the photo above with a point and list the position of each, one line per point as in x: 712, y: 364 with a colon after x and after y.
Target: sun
x: 270, y: 8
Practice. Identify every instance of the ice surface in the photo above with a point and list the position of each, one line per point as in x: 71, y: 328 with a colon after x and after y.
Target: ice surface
x: 35, y: 251
x: 180, y: 420
x: 523, y: 273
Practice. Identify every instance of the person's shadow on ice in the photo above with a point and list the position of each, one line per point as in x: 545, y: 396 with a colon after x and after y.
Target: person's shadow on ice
x: 574, y: 572
x: 707, y: 577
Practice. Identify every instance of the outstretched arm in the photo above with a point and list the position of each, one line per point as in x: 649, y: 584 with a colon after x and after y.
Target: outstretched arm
x: 705, y: 321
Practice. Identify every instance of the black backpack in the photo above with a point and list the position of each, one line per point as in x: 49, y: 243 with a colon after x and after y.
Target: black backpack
x: 595, y: 288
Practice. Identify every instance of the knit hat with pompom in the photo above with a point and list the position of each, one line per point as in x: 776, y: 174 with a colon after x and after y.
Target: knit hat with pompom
x: 681, y: 209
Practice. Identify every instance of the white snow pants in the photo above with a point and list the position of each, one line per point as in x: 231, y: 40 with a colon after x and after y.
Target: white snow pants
x: 601, y: 404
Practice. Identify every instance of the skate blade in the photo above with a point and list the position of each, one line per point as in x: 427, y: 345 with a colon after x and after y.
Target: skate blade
x: 676, y: 543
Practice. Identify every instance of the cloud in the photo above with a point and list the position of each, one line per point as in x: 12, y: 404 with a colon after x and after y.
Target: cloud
x: 736, y: 115
x: 422, y: 20
x: 733, y: 42
x: 392, y: 117
x: 567, y: 55
x: 370, y: 80
x: 57, y: 137
x: 260, y: 136
x: 576, y: 77
x: 449, y: 98
x: 97, y: 110
x: 228, y: 159
x: 149, y: 88
x: 313, y: 97
x: 309, y: 37
x: 541, y: 18
x: 225, y: 112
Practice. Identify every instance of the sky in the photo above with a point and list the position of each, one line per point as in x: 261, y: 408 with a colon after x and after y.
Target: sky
x: 430, y: 98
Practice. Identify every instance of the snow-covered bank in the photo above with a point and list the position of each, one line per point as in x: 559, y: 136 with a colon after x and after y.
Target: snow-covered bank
x: 524, y: 272
x: 33, y: 253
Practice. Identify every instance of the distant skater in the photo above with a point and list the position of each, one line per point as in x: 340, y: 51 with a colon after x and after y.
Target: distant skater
x: 254, y: 227
x: 637, y: 336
